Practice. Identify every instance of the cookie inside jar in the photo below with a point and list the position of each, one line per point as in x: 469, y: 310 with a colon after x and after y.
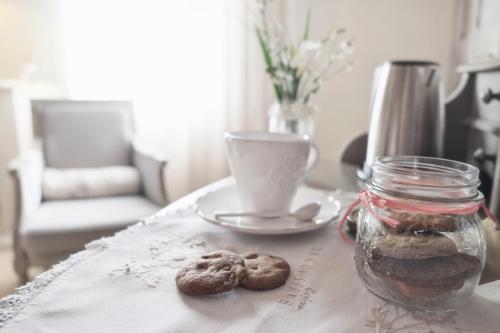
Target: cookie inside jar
x: 424, y: 252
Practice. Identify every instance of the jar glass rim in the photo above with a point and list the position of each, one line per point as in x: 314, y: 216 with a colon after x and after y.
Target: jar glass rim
x: 425, y: 177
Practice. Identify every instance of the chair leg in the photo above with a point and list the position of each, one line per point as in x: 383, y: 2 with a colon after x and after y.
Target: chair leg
x: 21, y: 267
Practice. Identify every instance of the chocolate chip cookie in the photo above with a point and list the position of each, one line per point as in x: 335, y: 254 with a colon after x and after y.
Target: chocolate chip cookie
x: 212, y: 273
x: 264, y: 271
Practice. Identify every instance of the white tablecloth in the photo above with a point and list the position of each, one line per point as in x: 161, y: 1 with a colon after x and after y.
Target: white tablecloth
x: 126, y: 284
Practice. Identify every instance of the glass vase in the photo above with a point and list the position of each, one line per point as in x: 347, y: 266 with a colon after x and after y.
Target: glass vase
x: 295, y: 118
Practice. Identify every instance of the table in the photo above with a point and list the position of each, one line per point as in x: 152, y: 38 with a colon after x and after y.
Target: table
x: 329, y: 174
x: 125, y: 283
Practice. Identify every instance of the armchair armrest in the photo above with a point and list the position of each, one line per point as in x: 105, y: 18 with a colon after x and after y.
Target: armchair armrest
x: 27, y: 170
x: 152, y: 171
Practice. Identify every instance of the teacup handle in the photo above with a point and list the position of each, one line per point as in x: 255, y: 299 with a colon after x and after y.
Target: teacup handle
x: 313, y: 158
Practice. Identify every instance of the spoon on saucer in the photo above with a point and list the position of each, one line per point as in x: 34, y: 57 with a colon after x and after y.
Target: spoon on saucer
x: 305, y: 213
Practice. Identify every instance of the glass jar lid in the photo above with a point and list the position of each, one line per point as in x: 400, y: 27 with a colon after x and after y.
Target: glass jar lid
x: 425, y: 178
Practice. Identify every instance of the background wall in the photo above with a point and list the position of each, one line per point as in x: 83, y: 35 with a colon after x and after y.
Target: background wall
x: 382, y: 30
x: 30, y: 34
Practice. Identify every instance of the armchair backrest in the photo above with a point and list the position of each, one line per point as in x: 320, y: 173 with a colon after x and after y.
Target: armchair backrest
x: 84, y: 134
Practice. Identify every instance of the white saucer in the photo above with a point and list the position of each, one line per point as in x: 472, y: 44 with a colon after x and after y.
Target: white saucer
x: 226, y: 199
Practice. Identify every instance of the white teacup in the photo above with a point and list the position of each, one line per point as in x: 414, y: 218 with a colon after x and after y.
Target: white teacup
x: 267, y: 168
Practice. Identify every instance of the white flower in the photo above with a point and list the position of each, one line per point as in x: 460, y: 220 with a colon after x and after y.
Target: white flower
x: 346, y: 47
x: 310, y: 46
x: 298, y: 70
x: 308, y: 51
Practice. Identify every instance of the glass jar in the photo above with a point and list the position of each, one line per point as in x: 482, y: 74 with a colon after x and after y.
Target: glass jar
x: 419, y: 242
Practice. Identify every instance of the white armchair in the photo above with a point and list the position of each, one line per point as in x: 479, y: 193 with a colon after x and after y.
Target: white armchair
x: 78, y: 134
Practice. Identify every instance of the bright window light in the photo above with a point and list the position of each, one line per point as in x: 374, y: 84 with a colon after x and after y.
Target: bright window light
x: 167, y: 56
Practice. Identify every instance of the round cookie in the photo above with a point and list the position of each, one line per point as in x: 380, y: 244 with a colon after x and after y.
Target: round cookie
x: 412, y: 247
x: 417, y: 222
x: 422, y: 292
x: 429, y: 272
x: 213, y: 273
x: 264, y: 271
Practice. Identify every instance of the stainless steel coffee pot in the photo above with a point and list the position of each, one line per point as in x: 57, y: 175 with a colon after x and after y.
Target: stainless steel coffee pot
x: 407, y: 111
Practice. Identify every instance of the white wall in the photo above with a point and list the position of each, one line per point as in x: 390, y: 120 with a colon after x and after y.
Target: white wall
x: 382, y: 29
x: 29, y: 33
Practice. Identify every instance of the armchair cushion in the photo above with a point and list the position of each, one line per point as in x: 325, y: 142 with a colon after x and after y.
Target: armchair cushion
x: 57, y: 228
x: 63, y: 184
x: 84, y: 134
